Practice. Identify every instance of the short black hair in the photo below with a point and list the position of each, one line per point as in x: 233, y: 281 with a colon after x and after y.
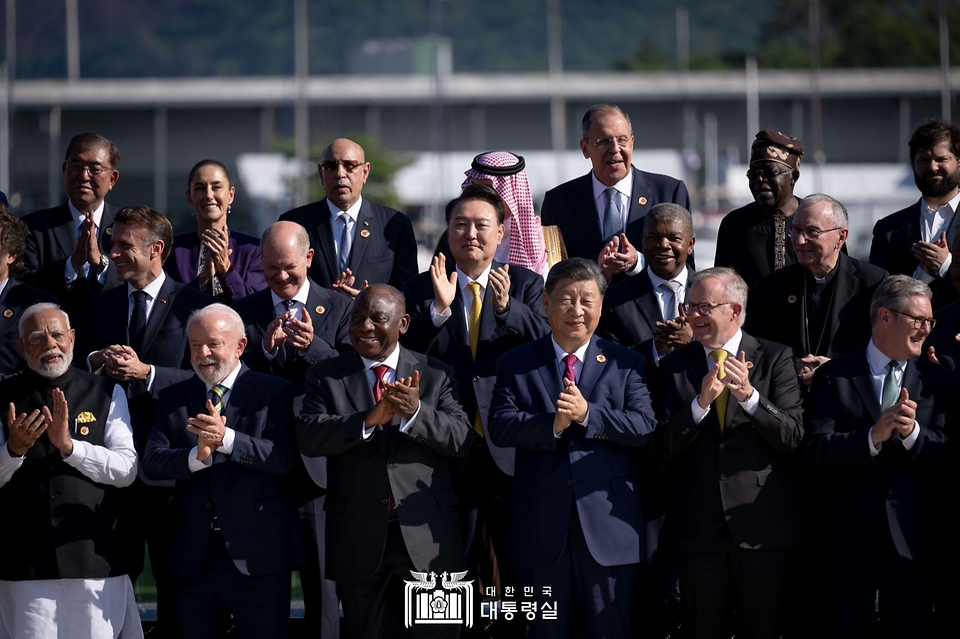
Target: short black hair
x: 87, y: 141
x: 480, y: 192
x: 202, y: 163
x: 577, y: 269
x: 931, y: 133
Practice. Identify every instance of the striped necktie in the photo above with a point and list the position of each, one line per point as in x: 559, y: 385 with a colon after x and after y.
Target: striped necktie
x: 216, y: 398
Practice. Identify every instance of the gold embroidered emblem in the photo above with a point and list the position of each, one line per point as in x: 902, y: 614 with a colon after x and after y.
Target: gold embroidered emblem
x: 86, y: 417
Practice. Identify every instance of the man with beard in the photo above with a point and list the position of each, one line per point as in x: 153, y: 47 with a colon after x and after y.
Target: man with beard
x: 225, y: 436
x: 916, y: 240
x: 66, y: 447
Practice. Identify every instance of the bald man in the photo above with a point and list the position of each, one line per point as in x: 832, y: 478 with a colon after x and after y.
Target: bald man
x: 356, y: 241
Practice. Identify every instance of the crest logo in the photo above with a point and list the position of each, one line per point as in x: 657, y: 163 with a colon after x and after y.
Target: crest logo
x: 426, y: 603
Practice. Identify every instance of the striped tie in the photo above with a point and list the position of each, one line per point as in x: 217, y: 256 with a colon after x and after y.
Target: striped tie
x: 216, y: 398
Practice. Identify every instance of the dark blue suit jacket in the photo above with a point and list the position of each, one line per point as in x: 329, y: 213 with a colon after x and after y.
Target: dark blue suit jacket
x: 245, y: 278
x: 571, y: 208
x: 245, y: 490
x: 387, y: 255
x: 14, y: 300
x: 595, y: 467
x: 898, y: 490
x: 523, y: 322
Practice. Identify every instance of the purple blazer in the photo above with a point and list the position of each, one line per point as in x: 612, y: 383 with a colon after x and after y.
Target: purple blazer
x: 245, y: 278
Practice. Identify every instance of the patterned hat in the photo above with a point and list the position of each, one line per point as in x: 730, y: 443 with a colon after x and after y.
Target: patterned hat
x: 774, y: 146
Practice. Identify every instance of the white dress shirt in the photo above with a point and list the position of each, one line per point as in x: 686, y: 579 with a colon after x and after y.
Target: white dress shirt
x: 299, y: 303
x: 933, y: 222
x: 733, y: 349
x: 465, y: 296
x: 389, y: 377
x: 78, y: 218
x: 624, y: 192
x: 878, y: 371
x: 663, y: 298
x: 226, y: 446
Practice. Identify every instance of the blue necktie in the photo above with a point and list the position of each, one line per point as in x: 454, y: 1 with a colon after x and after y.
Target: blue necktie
x: 345, y: 241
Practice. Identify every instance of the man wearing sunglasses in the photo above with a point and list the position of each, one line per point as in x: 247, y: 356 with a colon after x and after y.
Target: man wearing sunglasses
x: 356, y: 242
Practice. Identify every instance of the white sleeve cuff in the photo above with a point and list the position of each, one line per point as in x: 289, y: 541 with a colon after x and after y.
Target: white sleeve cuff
x: 195, y: 464
x: 874, y: 450
x: 226, y: 446
x: 698, y: 413
x: 150, y: 377
x: 750, y: 406
x: 945, y: 267
x: 439, y: 318
x: 407, y: 424
x: 911, y: 439
x: 923, y: 276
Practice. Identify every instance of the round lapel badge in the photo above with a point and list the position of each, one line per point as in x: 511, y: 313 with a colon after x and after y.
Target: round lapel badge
x: 792, y: 299
x: 642, y: 201
x: 8, y: 313
x: 84, y: 431
x: 364, y: 233
x: 320, y: 310
x: 109, y: 230
x: 601, y: 358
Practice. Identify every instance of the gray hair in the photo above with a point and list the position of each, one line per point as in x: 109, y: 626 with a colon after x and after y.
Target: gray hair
x: 838, y: 213
x: 38, y: 308
x: 300, y: 234
x: 577, y: 269
x: 894, y: 292
x: 602, y: 109
x: 230, y: 316
x: 669, y: 212
x: 735, y: 289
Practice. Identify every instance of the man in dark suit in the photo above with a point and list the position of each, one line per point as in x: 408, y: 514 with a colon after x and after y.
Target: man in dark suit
x: 878, y: 431
x: 600, y: 215
x: 730, y: 415
x: 916, y: 240
x: 356, y: 241
x: 291, y: 326
x: 225, y: 437
x: 136, y: 334
x: 818, y: 306
x: 15, y: 297
x: 387, y: 420
x: 68, y: 245
x: 468, y: 314
x: 575, y: 407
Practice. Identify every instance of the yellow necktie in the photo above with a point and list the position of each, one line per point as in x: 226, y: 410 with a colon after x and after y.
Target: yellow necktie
x: 475, y: 309
x: 721, y: 402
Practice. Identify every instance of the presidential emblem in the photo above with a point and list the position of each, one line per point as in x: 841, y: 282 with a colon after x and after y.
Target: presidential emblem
x: 425, y: 603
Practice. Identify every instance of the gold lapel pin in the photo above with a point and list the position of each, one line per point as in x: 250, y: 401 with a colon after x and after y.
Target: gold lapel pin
x: 162, y: 301
x: 792, y: 299
x: 642, y: 200
x: 320, y: 310
x: 601, y: 358
x: 364, y: 233
x: 366, y: 223
x: 84, y: 431
x: 8, y: 313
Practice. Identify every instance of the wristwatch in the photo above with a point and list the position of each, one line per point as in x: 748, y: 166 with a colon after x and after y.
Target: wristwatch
x: 104, y: 263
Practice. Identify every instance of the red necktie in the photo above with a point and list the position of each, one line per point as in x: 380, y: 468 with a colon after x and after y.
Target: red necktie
x: 379, y: 372
x: 569, y: 373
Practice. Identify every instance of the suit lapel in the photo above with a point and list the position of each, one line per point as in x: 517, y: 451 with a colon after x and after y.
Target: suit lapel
x: 65, y: 231
x: 359, y: 392
x: 358, y: 249
x: 241, y: 393
x: 549, y: 369
x: 315, y: 300
x: 751, y: 353
x: 641, y: 191
x: 406, y: 364
x: 863, y: 382
x: 105, y: 238
x: 158, y: 314
x: 328, y: 251
x: 4, y: 319
x: 584, y: 214
x: 593, y: 365
x: 646, y: 301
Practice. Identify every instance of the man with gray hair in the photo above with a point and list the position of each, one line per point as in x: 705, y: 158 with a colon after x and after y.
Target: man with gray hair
x: 729, y: 416
x: 66, y: 450
x: 877, y: 420
x: 225, y: 437
x: 819, y: 305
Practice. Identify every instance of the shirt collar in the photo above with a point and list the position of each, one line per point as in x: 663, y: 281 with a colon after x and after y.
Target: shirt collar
x: 560, y: 353
x: 229, y: 380
x: 656, y: 280
x: 390, y: 362
x: 353, y: 211
x: 152, y: 289
x: 878, y: 361
x: 79, y: 217
x: 482, y: 280
x: 732, y: 346
x: 952, y: 204
x: 3, y: 285
x: 301, y: 295
x: 625, y: 185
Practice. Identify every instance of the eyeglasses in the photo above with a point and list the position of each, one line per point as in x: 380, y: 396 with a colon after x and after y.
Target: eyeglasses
x: 36, y: 339
x: 78, y: 168
x: 606, y: 143
x: 703, y: 308
x: 348, y: 166
x: 918, y: 322
x: 766, y: 174
x: 811, y: 234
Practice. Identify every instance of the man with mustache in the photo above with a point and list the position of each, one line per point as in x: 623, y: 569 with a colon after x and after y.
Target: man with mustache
x: 916, y: 241
x: 66, y: 450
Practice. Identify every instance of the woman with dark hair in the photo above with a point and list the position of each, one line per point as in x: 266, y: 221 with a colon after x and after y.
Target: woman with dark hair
x: 223, y: 263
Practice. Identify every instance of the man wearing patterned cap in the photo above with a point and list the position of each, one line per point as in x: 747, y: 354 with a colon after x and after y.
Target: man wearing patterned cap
x: 753, y: 239
x: 522, y: 243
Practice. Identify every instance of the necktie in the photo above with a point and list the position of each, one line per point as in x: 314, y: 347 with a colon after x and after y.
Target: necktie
x: 672, y: 307
x: 474, y: 328
x: 890, y: 393
x: 203, y: 265
x: 612, y: 224
x: 721, y: 402
x: 569, y: 373
x: 138, y: 320
x: 379, y: 372
x: 345, y: 241
x: 216, y: 398
x: 288, y: 349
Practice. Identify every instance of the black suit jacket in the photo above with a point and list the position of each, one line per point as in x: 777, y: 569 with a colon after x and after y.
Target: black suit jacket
x: 571, y: 208
x: 245, y: 490
x: 741, y: 479
x: 942, y: 338
x: 105, y: 322
x: 51, y: 242
x: 387, y: 255
x: 450, y: 342
x: 363, y: 472
x: 896, y: 491
x: 777, y: 308
x: 893, y: 239
x: 14, y: 300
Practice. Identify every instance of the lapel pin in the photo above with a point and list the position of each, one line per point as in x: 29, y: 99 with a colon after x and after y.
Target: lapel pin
x: 320, y: 310
x: 364, y: 233
x: 749, y: 365
x: 792, y: 299
x: 84, y: 431
x: 163, y: 301
x: 109, y: 230
x: 601, y: 358
x: 366, y: 223
x: 642, y: 200
x: 8, y: 313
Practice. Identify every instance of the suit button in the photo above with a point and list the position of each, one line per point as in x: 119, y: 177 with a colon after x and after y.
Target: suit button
x: 569, y: 482
x: 54, y: 524
x: 722, y: 477
x: 208, y: 505
x: 391, y: 466
x: 384, y: 501
x: 54, y: 497
x: 476, y: 378
x: 722, y: 446
x: 686, y: 431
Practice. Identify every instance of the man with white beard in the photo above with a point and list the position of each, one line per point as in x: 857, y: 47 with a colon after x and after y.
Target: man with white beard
x: 66, y: 450
x: 225, y: 436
